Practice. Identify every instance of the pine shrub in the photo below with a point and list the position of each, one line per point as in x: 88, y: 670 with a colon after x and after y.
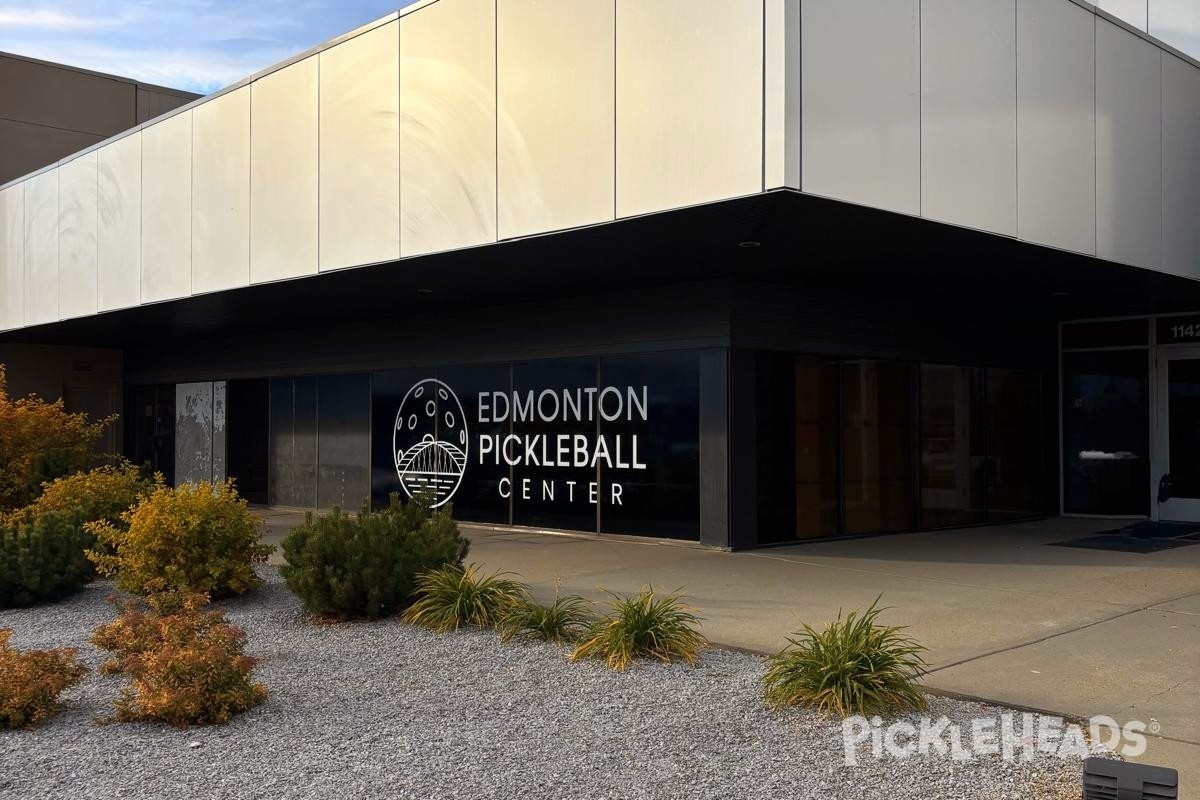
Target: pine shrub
x: 854, y: 666
x: 42, y: 558
x: 365, y: 566
x: 453, y: 595
x: 32, y: 680
x: 186, y: 664
x: 643, y: 626
x: 198, y: 537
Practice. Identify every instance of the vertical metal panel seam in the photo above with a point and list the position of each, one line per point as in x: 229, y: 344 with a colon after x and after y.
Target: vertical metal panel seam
x: 762, y: 117
x: 616, y: 108
x: 1016, y: 120
x: 920, y: 108
x: 496, y: 117
x: 1095, y: 138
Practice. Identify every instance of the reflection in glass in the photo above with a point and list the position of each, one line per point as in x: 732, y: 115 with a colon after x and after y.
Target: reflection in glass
x: 1018, y: 457
x: 816, y: 442
x: 1183, y: 424
x: 1106, y: 432
x: 877, y: 434
x: 343, y: 433
x: 664, y: 498
x: 952, y: 446
x: 293, y: 452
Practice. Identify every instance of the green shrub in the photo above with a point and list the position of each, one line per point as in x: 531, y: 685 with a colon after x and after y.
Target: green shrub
x: 187, y: 665
x: 39, y: 442
x: 643, y: 626
x: 564, y: 620
x: 854, y: 666
x: 32, y: 680
x: 196, y: 538
x: 366, y: 566
x: 452, y: 596
x: 42, y: 558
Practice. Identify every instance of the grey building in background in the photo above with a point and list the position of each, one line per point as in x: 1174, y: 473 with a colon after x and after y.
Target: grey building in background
x: 48, y: 111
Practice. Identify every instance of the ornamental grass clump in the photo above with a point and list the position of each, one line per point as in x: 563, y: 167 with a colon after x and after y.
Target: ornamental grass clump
x: 643, y: 625
x: 32, y: 680
x: 199, y: 537
x: 453, y: 596
x: 854, y: 666
x: 562, y: 621
x: 186, y: 664
x: 365, y: 566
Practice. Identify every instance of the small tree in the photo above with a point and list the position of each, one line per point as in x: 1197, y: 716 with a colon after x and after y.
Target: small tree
x: 39, y: 442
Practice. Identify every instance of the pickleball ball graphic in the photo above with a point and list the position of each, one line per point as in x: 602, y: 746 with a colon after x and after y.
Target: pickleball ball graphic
x: 429, y: 441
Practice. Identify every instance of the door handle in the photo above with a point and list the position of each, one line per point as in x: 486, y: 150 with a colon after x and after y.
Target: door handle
x: 1165, y: 487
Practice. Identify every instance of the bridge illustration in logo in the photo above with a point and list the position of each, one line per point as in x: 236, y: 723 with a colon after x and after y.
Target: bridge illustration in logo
x: 429, y: 441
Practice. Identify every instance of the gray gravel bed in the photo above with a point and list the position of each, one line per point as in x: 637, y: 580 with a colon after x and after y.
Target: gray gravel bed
x: 383, y: 709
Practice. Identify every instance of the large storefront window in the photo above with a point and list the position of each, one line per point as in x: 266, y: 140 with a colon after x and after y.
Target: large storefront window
x: 656, y: 488
x: 952, y: 446
x: 343, y: 437
x: 293, y: 454
x: 1106, y: 432
x: 856, y: 446
x: 877, y: 435
x: 608, y: 443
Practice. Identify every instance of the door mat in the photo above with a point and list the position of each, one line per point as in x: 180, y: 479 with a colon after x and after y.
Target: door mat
x: 1140, y: 537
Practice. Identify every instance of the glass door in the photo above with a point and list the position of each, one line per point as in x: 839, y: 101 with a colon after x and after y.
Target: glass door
x: 1178, y: 439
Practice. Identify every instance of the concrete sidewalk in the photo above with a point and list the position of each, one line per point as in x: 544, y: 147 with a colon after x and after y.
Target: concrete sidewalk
x: 1006, y: 617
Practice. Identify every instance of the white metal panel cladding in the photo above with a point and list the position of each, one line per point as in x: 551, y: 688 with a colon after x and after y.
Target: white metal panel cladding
x: 283, y: 173
x: 448, y: 126
x: 968, y: 113
x: 860, y: 101
x: 556, y: 114
x: 1056, y: 125
x: 119, y: 223
x: 1176, y: 22
x: 77, y: 248
x: 689, y: 102
x: 41, y: 248
x: 1128, y: 147
x: 359, y: 218
x: 12, y: 257
x: 221, y: 193
x: 781, y: 94
x: 1181, y: 167
x: 167, y: 209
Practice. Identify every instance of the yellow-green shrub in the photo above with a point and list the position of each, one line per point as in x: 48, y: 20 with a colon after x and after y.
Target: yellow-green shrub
x: 40, y: 441
x: 195, y: 538
x: 102, y: 493
x: 187, y: 665
x: 32, y: 680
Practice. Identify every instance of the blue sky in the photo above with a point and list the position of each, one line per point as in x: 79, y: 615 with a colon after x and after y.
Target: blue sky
x: 197, y: 45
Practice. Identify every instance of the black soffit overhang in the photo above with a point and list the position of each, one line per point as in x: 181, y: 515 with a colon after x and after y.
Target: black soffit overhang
x: 778, y: 237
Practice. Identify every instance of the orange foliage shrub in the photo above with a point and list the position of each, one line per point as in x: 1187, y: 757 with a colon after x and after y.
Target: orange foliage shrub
x: 186, y: 663
x: 32, y: 680
x: 40, y: 441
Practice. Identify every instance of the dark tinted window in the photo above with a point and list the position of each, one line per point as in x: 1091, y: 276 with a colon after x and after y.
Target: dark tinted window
x: 952, y: 446
x: 482, y: 495
x: 343, y: 441
x: 1106, y: 432
x: 554, y: 496
x: 654, y: 487
x: 293, y: 456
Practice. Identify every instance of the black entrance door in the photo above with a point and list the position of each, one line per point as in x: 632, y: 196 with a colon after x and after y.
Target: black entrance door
x: 153, y: 429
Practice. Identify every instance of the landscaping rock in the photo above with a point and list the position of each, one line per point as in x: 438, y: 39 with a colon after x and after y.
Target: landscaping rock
x: 384, y: 709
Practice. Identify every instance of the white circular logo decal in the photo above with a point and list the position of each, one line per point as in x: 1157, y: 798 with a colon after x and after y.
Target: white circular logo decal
x: 429, y: 441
